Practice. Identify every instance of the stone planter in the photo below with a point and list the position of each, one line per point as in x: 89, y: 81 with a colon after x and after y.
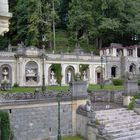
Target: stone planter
x: 7, y: 86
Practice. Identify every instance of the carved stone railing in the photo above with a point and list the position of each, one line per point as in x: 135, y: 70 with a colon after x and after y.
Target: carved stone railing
x: 7, y: 54
x: 31, y: 97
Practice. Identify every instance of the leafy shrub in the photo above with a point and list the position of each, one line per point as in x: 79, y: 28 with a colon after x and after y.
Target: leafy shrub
x: 16, y: 85
x: 138, y: 82
x: 131, y: 104
x: 117, y: 82
x: 5, y: 125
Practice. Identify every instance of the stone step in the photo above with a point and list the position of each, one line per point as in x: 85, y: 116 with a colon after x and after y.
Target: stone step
x: 129, y: 137
x: 119, y: 121
x: 120, y: 130
x: 115, y: 113
x: 112, y: 117
x: 136, y: 124
x: 128, y: 134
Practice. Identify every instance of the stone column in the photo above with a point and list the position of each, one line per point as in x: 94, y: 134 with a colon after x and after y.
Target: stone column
x: 47, y: 66
x: 135, y: 51
x: 63, y: 74
x: 125, y: 52
x: 21, y: 74
x: 79, y: 96
x: 91, y: 74
x: 114, y: 52
x: 131, y: 88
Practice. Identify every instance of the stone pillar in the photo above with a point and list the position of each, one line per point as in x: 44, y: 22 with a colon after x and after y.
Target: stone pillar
x: 90, y: 74
x: 47, y: 66
x: 131, y: 88
x: 63, y: 74
x: 114, y: 53
x: 125, y: 52
x: 79, y: 97
x: 135, y: 52
x: 21, y: 74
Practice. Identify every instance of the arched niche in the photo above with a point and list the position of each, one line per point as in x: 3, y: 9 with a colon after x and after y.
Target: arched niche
x: 31, y: 73
x: 6, y: 73
x: 70, y: 72
x: 114, y: 71
x: 132, y: 68
x: 98, y: 75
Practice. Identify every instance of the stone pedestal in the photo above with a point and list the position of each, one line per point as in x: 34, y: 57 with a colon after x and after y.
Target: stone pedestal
x: 79, y: 90
x: 131, y: 87
x: 79, y: 97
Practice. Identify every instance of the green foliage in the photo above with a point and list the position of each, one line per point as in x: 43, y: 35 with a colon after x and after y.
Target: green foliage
x: 57, y: 70
x: 104, y: 21
x: 131, y: 104
x: 5, y: 125
x: 82, y: 68
x: 31, y: 22
x: 138, y: 82
x: 16, y: 85
x: 117, y: 82
x: 106, y: 87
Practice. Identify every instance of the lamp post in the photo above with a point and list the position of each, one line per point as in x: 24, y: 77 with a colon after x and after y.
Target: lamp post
x: 101, y: 79
x: 59, y: 129
x: 43, y: 73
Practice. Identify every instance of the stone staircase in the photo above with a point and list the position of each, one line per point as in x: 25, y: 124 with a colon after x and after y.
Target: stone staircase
x: 120, y: 123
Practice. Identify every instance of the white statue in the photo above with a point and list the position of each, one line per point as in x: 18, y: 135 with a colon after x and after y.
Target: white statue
x: 30, y: 72
x: 5, y: 74
x: 85, y: 76
x: 69, y: 76
x: 52, y: 79
x: 52, y: 75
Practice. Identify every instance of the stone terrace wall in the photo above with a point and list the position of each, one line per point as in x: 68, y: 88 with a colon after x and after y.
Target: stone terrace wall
x: 39, y: 121
x: 107, y: 96
x: 35, y: 116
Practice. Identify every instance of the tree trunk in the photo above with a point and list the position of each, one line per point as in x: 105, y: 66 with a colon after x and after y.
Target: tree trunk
x: 100, y: 43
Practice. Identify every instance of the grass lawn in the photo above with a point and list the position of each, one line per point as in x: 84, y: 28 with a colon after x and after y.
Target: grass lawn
x: 72, y: 138
x: 64, y: 88
x: 20, y: 89
x: 106, y: 87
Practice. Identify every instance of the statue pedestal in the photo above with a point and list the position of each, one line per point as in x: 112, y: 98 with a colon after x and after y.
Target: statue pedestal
x: 131, y: 87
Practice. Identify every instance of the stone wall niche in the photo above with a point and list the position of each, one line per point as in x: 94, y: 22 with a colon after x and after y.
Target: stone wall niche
x: 5, y: 74
x: 31, y: 73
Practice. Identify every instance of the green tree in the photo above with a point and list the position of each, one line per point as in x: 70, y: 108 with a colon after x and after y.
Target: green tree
x: 104, y: 20
x: 31, y: 22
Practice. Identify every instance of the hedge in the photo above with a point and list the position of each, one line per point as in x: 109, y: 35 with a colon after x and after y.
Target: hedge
x: 5, y: 125
x: 117, y: 82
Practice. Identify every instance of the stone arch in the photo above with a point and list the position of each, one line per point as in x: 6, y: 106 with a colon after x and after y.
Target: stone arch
x: 31, y: 73
x: 98, y: 74
x: 85, y: 73
x: 51, y: 76
x: 132, y: 68
x: 6, y: 73
x: 114, y: 71
x: 69, y: 72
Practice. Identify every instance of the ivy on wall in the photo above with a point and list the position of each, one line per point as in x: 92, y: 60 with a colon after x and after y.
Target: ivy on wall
x: 57, y: 70
x: 5, y: 125
x: 82, y: 68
